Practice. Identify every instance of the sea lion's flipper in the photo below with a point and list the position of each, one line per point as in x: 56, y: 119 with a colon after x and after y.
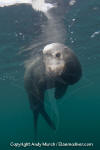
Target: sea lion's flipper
x: 35, y: 115
x: 37, y: 106
x: 60, y: 90
x: 34, y: 105
x: 47, y: 118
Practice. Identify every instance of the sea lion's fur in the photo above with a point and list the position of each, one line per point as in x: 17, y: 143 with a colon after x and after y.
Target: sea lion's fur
x: 54, y: 67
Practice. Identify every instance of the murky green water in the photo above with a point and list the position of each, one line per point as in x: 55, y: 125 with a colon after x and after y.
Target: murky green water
x: 78, y: 112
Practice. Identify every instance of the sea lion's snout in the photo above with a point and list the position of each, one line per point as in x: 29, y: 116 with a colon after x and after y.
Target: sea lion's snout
x: 53, y: 56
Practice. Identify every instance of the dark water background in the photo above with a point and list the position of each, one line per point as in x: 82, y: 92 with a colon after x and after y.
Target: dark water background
x: 79, y: 109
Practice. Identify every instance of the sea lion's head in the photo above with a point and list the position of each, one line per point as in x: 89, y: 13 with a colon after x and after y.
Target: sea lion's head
x: 60, y: 59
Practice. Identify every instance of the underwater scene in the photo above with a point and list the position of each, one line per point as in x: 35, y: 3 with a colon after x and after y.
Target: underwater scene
x: 25, y: 29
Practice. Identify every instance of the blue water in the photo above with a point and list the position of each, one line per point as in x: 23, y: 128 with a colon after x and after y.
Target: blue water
x: 78, y: 111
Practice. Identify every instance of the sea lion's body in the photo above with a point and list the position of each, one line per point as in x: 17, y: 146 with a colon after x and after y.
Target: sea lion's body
x: 55, y: 67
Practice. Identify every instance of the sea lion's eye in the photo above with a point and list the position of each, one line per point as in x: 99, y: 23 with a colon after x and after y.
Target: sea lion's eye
x: 58, y: 55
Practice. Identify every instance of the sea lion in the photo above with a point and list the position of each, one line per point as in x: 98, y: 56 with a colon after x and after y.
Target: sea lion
x: 55, y: 67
